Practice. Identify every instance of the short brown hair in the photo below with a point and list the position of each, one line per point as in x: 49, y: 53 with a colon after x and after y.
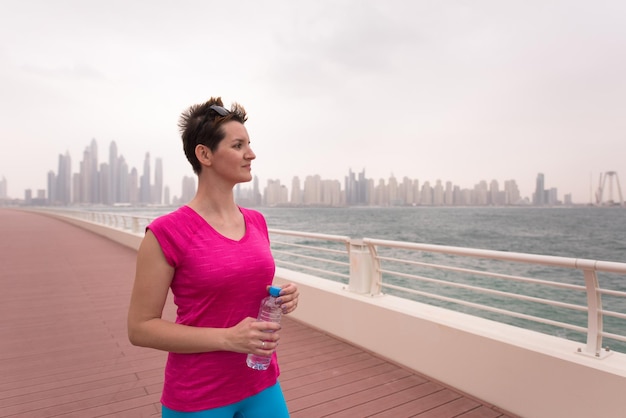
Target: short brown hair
x: 202, y: 124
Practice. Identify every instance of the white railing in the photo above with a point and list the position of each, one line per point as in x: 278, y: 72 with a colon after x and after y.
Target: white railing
x: 556, y: 295
x: 456, y: 278
x: 326, y: 252
x: 131, y: 223
x: 582, y: 289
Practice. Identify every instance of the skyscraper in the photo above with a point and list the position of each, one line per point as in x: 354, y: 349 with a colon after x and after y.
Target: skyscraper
x: 52, y: 186
x: 85, y: 174
x: 3, y: 188
x: 312, y: 194
x: 356, y: 190
x: 144, y: 186
x: 104, y: 176
x: 426, y: 194
x: 296, y: 192
x: 189, y: 189
x: 158, y: 182
x: 63, y: 190
x: 123, y: 181
x: 133, y: 188
x: 94, y: 181
x: 512, y: 194
x: 438, y: 193
x: 114, y: 174
x: 539, y: 195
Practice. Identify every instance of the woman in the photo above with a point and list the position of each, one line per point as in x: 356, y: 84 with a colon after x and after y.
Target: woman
x: 215, y: 256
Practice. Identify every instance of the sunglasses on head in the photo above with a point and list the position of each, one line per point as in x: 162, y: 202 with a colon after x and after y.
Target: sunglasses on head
x: 218, y: 109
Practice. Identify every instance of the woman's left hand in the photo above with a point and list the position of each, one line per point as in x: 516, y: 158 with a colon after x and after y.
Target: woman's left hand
x: 288, y: 298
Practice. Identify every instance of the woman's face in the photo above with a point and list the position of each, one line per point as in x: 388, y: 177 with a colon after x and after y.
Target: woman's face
x: 233, y: 156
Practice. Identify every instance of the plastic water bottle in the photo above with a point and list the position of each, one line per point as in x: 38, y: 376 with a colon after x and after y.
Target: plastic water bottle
x: 268, y: 312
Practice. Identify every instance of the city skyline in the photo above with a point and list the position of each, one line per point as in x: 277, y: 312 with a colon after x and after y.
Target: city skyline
x: 113, y: 181
x: 176, y: 189
x: 457, y: 91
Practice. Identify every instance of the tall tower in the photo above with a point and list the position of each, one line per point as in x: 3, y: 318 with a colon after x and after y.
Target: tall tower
x: 94, y: 181
x: 512, y: 194
x: 438, y: 193
x: 158, y: 182
x: 85, y: 189
x: 362, y: 196
x: 123, y: 186
x: 350, y: 187
x: 312, y: 193
x: 3, y: 188
x: 188, y: 190
x: 296, y: 193
x: 426, y: 194
x: 448, y: 197
x: 52, y: 188
x: 257, y: 198
x: 539, y: 196
x: 481, y: 191
x: 63, y: 180
x: 133, y: 188
x: 392, y: 191
x: 104, y: 182
x: 144, y: 187
x: 114, y: 174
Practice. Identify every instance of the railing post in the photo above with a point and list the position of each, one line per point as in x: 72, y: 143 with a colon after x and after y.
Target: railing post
x: 135, y: 225
x: 594, y: 315
x: 362, y: 271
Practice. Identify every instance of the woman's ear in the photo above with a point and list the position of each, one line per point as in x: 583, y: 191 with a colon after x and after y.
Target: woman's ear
x: 203, y: 154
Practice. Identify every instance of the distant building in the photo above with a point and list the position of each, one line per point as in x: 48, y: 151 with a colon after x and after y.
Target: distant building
x: 189, y: 189
x: 296, y: 192
x: 539, y: 195
x: 275, y: 194
x: 3, y: 188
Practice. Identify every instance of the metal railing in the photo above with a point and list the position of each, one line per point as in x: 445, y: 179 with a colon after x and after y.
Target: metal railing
x: 550, y: 294
x: 568, y: 290
x: 327, y: 255
x: 131, y: 223
x: 578, y: 299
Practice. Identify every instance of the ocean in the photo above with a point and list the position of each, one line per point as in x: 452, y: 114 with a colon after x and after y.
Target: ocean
x: 597, y: 233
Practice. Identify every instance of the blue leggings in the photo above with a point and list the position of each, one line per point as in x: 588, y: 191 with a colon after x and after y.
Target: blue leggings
x: 268, y: 403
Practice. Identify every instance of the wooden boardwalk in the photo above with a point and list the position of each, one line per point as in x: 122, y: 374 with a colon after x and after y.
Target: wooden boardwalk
x: 64, y: 350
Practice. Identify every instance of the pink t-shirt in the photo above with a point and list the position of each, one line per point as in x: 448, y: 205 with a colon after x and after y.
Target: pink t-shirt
x: 217, y: 282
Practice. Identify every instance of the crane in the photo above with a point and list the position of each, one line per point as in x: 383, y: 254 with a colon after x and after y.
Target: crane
x: 602, y: 186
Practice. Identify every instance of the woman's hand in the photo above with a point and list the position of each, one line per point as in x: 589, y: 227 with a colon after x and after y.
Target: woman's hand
x: 288, y: 299
x: 258, y: 337
x: 253, y: 337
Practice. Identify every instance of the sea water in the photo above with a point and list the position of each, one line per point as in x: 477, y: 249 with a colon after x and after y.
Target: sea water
x: 577, y: 232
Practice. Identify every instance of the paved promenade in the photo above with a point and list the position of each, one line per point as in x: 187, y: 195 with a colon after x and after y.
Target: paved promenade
x: 64, y: 350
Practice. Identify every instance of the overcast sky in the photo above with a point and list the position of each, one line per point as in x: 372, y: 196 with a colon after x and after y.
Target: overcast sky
x: 458, y: 91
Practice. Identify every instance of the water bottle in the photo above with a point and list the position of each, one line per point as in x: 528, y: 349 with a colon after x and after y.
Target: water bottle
x: 268, y: 312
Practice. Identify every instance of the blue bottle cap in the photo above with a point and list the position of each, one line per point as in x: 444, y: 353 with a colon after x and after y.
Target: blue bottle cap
x: 274, y: 291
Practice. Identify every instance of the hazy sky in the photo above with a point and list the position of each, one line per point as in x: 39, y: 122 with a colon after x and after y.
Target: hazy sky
x: 459, y: 91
